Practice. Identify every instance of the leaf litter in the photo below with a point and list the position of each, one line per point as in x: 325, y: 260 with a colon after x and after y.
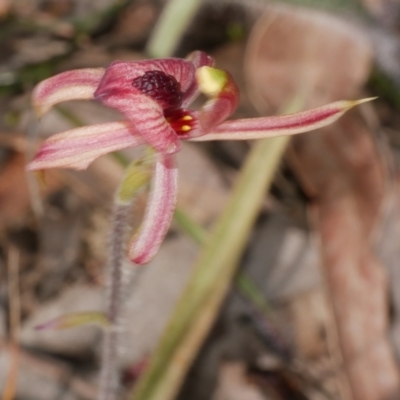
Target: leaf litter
x: 327, y: 273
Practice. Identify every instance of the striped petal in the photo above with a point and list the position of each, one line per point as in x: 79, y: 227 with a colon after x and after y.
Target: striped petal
x: 77, y: 148
x: 159, y: 211
x: 147, y: 118
x: 71, y: 85
x: 258, y: 128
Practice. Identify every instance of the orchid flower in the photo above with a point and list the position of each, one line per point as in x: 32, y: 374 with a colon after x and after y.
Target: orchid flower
x: 153, y: 96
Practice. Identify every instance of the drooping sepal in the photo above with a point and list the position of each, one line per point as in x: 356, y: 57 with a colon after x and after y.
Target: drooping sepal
x: 78, y: 147
x: 292, y: 124
x: 78, y: 84
x: 159, y: 211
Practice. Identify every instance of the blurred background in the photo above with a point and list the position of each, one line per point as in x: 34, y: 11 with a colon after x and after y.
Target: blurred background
x: 313, y: 312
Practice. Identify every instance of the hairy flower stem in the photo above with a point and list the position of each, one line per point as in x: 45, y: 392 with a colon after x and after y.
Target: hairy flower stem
x: 109, y: 383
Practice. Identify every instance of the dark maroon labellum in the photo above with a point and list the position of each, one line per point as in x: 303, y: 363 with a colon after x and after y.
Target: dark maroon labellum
x: 163, y: 88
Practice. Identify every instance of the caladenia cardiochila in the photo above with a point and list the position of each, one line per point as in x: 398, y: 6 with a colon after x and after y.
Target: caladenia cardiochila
x: 154, y: 97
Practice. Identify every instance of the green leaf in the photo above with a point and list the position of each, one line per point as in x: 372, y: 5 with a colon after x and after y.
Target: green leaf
x: 137, y: 176
x: 74, y: 320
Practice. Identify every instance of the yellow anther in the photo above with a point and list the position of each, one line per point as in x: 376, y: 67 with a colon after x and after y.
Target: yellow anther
x: 211, y: 81
x: 185, y: 128
x: 187, y: 118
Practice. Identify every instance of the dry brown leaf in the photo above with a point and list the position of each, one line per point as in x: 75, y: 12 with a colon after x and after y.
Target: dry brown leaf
x: 321, y: 59
x: 348, y: 191
x: 302, y: 52
x: 14, y: 193
x: 44, y: 378
x: 5, y: 6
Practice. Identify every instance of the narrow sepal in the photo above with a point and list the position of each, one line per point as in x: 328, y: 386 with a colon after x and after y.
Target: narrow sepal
x: 78, y: 147
x: 292, y: 124
x: 74, y: 320
x: 78, y: 84
x: 159, y: 211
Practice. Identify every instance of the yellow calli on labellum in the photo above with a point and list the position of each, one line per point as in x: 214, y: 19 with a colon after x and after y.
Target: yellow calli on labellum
x: 154, y: 95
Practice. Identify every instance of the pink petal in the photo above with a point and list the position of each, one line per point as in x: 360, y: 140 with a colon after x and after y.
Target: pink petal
x: 77, y: 148
x: 147, y: 118
x: 70, y: 85
x: 198, y: 59
x: 159, y: 211
x: 217, y: 110
x: 257, y: 128
x: 119, y: 75
x: 224, y: 98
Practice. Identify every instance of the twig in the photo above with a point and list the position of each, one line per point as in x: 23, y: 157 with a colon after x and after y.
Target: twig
x: 10, y: 389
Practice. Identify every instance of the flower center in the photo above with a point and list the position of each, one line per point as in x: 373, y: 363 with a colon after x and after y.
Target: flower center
x: 181, y: 121
x: 163, y: 88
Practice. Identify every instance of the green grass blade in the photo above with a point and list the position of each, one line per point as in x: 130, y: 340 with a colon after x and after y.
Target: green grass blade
x: 188, y: 226
x: 173, y: 22
x: 199, y: 305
